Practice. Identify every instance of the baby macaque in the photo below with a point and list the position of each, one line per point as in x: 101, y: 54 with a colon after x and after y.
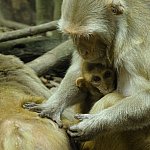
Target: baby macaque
x: 97, y: 79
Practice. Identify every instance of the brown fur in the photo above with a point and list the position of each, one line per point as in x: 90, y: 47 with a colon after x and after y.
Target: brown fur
x: 21, y: 129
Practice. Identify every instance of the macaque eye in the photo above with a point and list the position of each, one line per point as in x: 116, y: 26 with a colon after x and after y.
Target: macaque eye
x: 114, y: 10
x: 96, y: 79
x: 117, y: 9
x: 107, y: 74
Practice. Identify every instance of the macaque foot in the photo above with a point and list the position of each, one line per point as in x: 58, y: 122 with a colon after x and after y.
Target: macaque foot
x: 86, y: 129
x: 45, y: 110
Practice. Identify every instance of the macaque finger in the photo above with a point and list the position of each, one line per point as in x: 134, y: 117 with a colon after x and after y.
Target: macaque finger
x: 59, y: 122
x: 82, y: 116
x: 77, y: 135
x: 33, y: 107
x: 29, y: 104
x: 73, y: 128
x: 73, y: 133
x: 55, y: 118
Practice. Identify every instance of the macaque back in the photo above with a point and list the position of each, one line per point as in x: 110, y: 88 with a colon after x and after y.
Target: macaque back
x: 21, y: 129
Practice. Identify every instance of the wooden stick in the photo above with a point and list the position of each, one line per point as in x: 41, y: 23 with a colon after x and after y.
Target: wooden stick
x: 12, y: 35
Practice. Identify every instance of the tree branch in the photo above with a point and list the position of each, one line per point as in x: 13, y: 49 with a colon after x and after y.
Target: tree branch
x: 43, y: 63
x: 12, y: 35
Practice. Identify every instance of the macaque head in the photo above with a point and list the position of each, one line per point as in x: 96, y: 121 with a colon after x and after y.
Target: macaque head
x: 92, y: 24
x: 99, y: 76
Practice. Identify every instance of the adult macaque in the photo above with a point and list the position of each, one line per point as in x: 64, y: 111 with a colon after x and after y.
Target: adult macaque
x: 19, y: 128
x: 120, y: 28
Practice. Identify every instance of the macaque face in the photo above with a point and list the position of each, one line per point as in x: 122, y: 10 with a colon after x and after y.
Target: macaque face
x: 103, y: 81
x: 100, y: 77
x: 92, y: 26
x: 91, y: 49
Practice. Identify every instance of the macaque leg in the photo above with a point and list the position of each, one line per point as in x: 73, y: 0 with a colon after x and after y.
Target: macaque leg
x: 106, y: 102
x: 69, y: 113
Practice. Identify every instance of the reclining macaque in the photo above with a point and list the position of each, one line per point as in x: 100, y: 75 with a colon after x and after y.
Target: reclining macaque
x: 19, y: 128
x: 118, y: 30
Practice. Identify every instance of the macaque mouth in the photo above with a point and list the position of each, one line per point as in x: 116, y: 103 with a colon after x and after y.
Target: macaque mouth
x: 105, y: 90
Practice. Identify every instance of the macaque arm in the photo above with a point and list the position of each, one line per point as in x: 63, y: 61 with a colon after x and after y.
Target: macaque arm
x: 66, y: 94
x: 129, y: 114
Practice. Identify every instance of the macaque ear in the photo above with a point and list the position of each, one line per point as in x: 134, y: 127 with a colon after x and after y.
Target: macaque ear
x: 80, y: 82
x: 117, y: 7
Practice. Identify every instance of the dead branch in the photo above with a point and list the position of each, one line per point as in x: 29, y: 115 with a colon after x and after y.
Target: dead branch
x: 12, y: 35
x: 27, y: 40
x: 43, y: 63
x: 12, y: 24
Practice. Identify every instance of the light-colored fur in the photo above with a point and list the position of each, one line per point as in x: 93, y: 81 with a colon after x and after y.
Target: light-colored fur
x: 125, y: 37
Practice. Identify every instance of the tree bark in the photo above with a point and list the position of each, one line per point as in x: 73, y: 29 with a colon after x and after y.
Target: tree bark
x: 12, y: 24
x: 57, y: 9
x: 43, y: 13
x: 18, y: 11
x: 57, y: 14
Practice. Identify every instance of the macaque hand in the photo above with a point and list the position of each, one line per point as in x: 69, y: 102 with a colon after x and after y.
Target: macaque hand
x: 48, y: 110
x: 88, y: 128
